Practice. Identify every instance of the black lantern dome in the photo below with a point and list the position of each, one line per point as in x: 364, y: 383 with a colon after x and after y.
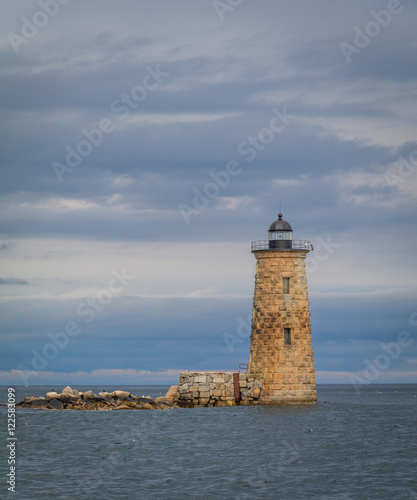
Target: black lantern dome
x: 280, y: 234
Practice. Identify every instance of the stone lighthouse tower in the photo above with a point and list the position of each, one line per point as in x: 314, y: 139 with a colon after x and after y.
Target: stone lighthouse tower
x: 281, y: 351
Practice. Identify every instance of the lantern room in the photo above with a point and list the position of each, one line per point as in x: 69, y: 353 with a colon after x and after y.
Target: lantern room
x: 280, y: 234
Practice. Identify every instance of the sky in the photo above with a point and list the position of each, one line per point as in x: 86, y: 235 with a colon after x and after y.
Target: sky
x: 144, y: 145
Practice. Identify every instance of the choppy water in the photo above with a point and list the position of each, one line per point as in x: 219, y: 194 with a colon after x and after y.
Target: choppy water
x: 348, y: 446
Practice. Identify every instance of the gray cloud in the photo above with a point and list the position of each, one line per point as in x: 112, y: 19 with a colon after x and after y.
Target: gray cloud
x: 13, y: 281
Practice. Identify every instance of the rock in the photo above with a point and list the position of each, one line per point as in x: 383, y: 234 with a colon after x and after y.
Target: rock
x: 185, y: 404
x: 88, y: 406
x: 68, y: 398
x: 94, y: 399
x: 129, y: 404
x: 255, y: 392
x: 71, y: 406
x: 39, y: 403
x: 55, y: 404
x: 220, y: 403
x: 120, y: 394
x: 117, y: 400
x: 51, y: 395
x: 104, y: 394
x: 144, y: 399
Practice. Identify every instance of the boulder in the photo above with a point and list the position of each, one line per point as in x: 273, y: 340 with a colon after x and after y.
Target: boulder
x: 88, y: 394
x: 129, y: 404
x: 38, y: 403
x: 104, y: 394
x: 72, y: 406
x: 122, y: 407
x: 94, y: 399
x: 67, y: 390
x: 68, y: 398
x: 144, y: 399
x: 164, y: 406
x: 147, y: 406
x: 172, y: 394
x: 55, y: 404
x: 89, y: 406
x: 120, y: 394
x: 52, y: 395
x: 29, y: 398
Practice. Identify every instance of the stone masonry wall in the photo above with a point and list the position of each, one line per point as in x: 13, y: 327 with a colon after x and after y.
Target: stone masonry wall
x: 287, y: 371
x: 198, y: 389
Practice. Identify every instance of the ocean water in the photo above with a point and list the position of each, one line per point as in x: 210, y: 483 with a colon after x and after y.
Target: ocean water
x: 348, y: 446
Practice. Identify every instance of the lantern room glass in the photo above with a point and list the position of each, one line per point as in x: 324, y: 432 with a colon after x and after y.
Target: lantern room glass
x: 280, y: 235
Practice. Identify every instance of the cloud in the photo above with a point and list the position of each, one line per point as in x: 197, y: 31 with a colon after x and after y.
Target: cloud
x: 13, y: 281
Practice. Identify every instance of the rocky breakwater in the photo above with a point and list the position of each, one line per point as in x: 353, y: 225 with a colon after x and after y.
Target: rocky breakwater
x: 71, y: 399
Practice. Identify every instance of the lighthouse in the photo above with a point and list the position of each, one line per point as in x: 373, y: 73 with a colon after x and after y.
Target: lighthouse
x: 281, y: 350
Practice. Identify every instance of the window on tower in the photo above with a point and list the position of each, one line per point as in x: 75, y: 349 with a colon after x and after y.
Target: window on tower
x: 287, y: 336
x: 276, y: 235
x: 286, y: 285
